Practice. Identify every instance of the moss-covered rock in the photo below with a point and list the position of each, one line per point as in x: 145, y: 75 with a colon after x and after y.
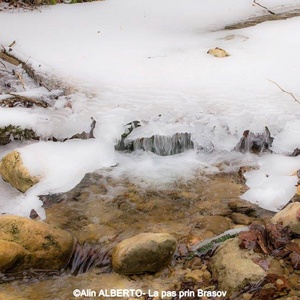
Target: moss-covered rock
x: 146, y: 252
x: 13, y: 171
x: 26, y: 244
x: 10, y: 133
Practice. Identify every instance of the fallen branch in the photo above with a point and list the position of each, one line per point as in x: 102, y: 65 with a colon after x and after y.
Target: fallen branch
x: 16, y: 97
x: 289, y: 93
x: 269, y: 11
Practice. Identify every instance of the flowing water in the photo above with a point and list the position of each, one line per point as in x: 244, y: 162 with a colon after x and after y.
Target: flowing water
x: 104, y: 210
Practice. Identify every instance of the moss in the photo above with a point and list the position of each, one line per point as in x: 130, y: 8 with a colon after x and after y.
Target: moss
x: 10, y: 133
x: 51, y: 242
x: 14, y: 229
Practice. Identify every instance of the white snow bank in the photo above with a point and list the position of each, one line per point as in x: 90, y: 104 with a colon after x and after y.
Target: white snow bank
x: 60, y: 165
x: 272, y: 186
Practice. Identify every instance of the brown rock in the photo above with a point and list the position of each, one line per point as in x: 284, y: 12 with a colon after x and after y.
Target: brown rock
x: 13, y: 171
x: 289, y: 216
x: 243, y: 207
x: 218, y: 52
x: 215, y: 224
x: 25, y: 244
x: 145, y: 252
x: 241, y: 219
x: 233, y: 267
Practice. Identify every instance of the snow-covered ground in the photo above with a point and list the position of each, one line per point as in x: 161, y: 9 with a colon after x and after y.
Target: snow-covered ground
x: 147, y: 60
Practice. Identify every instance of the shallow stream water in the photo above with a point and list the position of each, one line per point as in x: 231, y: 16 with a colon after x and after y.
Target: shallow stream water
x: 105, y: 210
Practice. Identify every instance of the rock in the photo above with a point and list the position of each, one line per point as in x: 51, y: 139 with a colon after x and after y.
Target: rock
x: 145, y: 252
x: 233, y: 267
x: 13, y: 171
x: 26, y: 244
x: 159, y: 144
x: 215, y: 224
x: 218, y: 52
x: 243, y: 207
x: 238, y: 218
x: 289, y: 216
x: 255, y: 143
x: 10, y: 133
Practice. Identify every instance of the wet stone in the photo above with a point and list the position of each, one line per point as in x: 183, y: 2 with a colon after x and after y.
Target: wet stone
x: 244, y: 207
x: 215, y: 224
x: 145, y: 252
x: 242, y: 219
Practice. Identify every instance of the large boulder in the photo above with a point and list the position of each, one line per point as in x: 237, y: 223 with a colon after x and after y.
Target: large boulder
x: 26, y: 244
x: 13, y: 171
x: 145, y: 252
x: 233, y: 267
x: 289, y: 216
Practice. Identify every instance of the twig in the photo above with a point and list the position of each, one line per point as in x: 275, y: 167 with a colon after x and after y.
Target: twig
x: 291, y: 94
x: 269, y: 11
x: 23, y: 98
x: 3, y: 64
x: 21, y: 79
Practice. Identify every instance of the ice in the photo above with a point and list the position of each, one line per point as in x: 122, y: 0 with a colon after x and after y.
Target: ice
x: 273, y: 193
x: 272, y: 186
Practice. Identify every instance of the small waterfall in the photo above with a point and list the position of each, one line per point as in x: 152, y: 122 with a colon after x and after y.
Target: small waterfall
x: 87, y: 256
x: 164, y: 145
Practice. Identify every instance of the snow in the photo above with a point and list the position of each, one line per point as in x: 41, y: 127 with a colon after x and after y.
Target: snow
x: 147, y: 60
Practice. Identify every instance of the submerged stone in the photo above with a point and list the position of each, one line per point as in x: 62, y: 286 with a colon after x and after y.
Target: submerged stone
x: 145, y: 252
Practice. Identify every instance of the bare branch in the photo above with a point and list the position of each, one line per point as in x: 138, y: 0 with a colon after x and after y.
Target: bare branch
x: 30, y: 100
x: 3, y: 64
x: 289, y: 93
x: 269, y: 11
